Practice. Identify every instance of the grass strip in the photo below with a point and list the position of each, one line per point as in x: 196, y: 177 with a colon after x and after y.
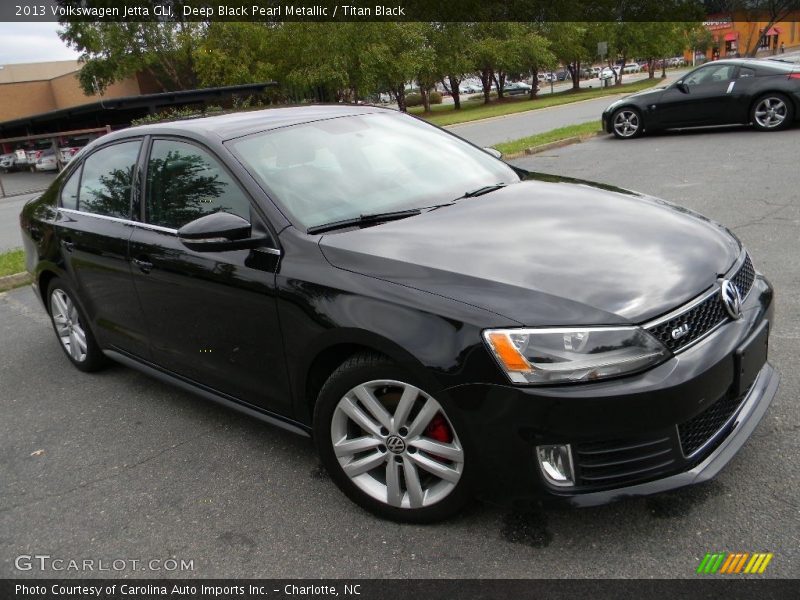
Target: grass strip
x: 474, y: 109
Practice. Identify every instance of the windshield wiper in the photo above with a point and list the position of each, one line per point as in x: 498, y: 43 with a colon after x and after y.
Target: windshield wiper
x: 484, y: 190
x: 368, y: 219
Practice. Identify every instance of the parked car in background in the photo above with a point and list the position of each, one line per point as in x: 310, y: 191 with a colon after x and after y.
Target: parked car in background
x: 69, y: 151
x: 631, y: 68
x: 677, y: 61
x: 517, y: 87
x: 563, y: 75
x: 7, y: 162
x: 722, y: 92
x: 47, y: 161
x: 608, y: 73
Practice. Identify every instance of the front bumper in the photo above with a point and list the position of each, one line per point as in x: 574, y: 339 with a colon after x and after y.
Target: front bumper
x: 676, y: 424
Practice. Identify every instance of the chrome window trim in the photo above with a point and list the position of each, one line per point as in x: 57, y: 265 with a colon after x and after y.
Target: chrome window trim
x: 118, y: 220
x: 266, y: 249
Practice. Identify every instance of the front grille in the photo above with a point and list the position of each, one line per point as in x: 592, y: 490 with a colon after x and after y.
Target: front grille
x: 622, y: 462
x: 745, y: 276
x: 695, y: 432
x: 704, y: 316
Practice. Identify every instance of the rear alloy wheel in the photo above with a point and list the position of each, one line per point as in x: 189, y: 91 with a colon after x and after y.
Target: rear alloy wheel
x: 626, y: 123
x: 71, y: 328
x: 388, y: 444
x: 772, y: 112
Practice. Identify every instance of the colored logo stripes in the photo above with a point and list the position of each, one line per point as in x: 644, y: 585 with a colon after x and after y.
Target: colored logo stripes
x: 731, y: 563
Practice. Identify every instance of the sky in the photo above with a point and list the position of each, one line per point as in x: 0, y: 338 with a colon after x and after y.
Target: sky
x: 32, y: 42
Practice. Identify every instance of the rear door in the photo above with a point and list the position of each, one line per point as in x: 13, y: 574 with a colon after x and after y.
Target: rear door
x: 93, y: 225
x: 212, y: 316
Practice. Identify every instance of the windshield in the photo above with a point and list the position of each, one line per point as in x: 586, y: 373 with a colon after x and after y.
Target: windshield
x: 342, y: 168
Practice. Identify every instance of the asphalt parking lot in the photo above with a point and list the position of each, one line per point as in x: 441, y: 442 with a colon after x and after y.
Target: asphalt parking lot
x: 117, y: 465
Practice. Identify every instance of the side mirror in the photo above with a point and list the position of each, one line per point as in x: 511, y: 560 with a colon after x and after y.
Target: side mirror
x: 494, y: 152
x: 682, y: 87
x: 218, y: 231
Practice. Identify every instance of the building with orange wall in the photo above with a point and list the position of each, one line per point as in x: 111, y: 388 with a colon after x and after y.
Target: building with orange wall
x: 736, y: 36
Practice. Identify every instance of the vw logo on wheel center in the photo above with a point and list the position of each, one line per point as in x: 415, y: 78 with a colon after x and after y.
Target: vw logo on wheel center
x: 731, y: 298
x: 395, y: 444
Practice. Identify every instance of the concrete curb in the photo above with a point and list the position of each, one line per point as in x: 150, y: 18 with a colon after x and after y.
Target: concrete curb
x: 576, y: 139
x: 9, y: 282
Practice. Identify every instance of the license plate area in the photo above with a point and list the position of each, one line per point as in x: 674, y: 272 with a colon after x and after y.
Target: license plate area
x: 749, y: 358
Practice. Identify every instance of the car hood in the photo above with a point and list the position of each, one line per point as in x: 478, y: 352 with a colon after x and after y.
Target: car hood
x: 548, y: 251
x: 653, y: 92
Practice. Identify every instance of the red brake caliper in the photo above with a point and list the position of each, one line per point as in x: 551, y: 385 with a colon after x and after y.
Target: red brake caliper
x: 438, y: 429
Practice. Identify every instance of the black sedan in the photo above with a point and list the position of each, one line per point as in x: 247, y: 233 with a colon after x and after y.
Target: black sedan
x: 443, y: 325
x: 723, y: 92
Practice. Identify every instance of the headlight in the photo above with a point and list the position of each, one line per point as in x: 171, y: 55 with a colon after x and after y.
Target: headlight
x: 575, y: 354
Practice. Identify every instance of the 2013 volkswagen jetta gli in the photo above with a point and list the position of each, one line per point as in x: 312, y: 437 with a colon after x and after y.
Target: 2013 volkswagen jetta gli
x: 443, y: 324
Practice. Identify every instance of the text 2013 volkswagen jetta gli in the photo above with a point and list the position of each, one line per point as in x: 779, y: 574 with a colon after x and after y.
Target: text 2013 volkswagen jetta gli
x: 444, y: 325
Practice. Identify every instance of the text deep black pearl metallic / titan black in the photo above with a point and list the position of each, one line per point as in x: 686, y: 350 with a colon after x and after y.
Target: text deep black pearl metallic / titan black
x: 443, y: 324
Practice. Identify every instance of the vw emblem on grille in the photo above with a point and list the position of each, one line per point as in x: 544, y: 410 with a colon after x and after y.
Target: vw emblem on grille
x: 395, y: 444
x: 731, y: 299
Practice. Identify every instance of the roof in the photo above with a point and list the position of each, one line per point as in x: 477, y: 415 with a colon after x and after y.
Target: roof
x: 235, y: 125
x: 120, y: 111
x: 39, y: 71
x: 756, y: 63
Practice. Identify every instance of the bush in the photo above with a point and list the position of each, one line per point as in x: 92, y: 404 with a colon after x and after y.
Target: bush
x: 416, y: 99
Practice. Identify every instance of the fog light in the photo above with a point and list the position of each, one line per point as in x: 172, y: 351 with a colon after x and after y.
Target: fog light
x: 556, y: 464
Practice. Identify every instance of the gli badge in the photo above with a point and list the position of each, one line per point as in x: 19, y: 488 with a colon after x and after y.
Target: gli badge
x: 680, y: 331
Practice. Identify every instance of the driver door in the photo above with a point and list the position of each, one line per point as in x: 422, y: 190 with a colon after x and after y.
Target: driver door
x: 706, y: 100
x: 211, y: 316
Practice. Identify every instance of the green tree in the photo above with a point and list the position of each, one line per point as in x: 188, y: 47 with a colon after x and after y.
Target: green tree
x: 234, y: 53
x: 114, y: 51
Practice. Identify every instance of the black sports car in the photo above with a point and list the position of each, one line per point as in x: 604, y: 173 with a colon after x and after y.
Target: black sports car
x: 723, y: 92
x: 442, y: 323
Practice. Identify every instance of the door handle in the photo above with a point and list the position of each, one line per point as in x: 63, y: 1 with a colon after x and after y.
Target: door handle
x: 145, y: 266
x: 68, y: 244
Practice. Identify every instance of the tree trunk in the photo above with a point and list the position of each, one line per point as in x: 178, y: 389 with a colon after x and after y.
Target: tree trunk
x: 500, y: 82
x: 400, y: 94
x: 575, y: 72
x: 621, y: 69
x: 454, y: 91
x: 663, y: 68
x: 486, y: 81
x: 426, y: 99
x: 651, y: 71
x: 534, y: 83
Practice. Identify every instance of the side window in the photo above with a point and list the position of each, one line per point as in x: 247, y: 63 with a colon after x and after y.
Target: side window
x: 185, y: 183
x: 106, y: 182
x: 710, y: 74
x: 744, y: 72
x: 69, y: 193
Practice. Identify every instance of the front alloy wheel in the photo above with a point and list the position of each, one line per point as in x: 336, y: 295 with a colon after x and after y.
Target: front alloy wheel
x: 388, y: 444
x: 395, y: 444
x: 771, y: 112
x: 627, y: 123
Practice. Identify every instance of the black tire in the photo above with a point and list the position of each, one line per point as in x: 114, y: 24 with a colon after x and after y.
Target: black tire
x: 634, y: 123
x: 780, y: 104
x: 359, y: 370
x: 92, y: 358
